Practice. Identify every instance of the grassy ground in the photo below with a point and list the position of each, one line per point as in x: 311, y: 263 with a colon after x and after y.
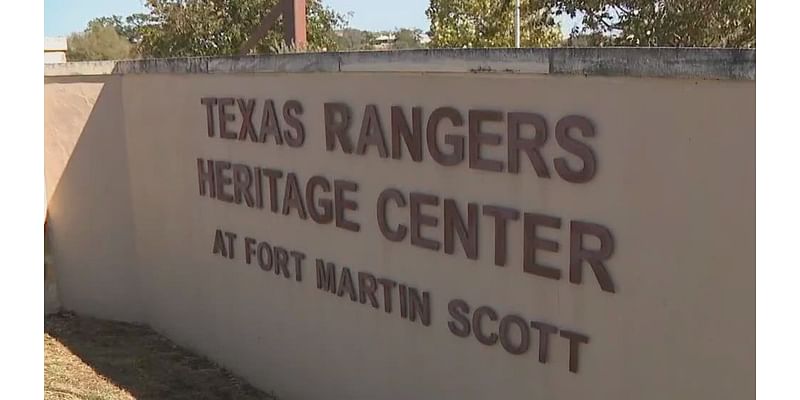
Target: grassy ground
x: 87, y: 358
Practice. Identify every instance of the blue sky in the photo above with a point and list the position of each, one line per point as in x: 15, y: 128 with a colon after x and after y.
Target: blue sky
x: 62, y: 17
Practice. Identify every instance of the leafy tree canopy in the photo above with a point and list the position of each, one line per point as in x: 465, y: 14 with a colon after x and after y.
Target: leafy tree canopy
x: 407, y: 38
x: 354, y: 39
x: 173, y: 28
x: 183, y: 28
x: 100, y: 41
x: 684, y: 23
x: 490, y: 23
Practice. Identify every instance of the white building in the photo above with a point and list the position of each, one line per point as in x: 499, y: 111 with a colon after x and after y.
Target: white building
x: 55, y: 50
x: 384, y: 42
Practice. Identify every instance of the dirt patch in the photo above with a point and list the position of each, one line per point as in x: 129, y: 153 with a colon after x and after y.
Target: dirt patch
x: 87, y: 358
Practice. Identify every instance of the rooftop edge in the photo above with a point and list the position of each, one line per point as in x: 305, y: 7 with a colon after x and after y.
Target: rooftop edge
x: 654, y: 62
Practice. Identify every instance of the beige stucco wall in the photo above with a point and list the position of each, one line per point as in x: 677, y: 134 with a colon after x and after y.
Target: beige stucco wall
x: 675, y: 184
x: 90, y: 225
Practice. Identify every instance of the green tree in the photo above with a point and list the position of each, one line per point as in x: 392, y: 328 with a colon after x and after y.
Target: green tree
x: 684, y: 23
x: 125, y: 27
x: 100, y: 41
x: 490, y: 23
x: 182, y: 28
x: 407, y: 38
x: 578, y: 39
x: 353, y: 39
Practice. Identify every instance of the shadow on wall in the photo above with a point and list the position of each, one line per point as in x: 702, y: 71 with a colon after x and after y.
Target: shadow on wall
x: 90, y: 223
x: 91, y: 255
x: 136, y: 359
x: 51, y: 302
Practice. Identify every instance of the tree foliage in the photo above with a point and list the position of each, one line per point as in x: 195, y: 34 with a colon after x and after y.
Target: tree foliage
x: 184, y: 28
x: 219, y: 27
x: 125, y: 27
x: 490, y: 23
x: 679, y: 23
x: 100, y: 41
x: 407, y: 39
x: 173, y: 28
x: 354, y: 39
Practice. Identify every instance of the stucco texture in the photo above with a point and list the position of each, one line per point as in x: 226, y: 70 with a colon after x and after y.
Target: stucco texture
x: 675, y: 184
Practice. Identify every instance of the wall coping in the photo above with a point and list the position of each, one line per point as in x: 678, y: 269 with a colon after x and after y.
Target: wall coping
x: 643, y: 62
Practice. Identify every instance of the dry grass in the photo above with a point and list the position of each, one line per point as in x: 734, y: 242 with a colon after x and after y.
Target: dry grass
x: 87, y: 358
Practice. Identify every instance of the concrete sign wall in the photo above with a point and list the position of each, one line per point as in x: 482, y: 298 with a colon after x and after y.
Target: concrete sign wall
x: 397, y: 234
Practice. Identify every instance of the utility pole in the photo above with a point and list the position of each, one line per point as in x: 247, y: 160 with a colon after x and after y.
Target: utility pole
x: 516, y: 24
